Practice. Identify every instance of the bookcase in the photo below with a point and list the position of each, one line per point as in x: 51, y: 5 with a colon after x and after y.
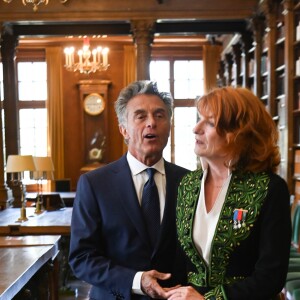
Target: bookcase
x: 294, y: 54
x: 270, y: 67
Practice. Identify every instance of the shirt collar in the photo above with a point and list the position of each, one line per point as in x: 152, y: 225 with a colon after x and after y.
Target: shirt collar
x: 137, y: 167
x: 204, y: 164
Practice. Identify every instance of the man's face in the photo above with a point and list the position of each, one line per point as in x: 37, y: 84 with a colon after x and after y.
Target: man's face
x: 147, y: 128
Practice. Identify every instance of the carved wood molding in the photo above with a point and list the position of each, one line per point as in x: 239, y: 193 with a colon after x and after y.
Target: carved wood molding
x: 143, y: 30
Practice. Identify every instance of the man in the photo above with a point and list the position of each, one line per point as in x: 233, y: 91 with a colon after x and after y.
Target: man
x: 110, y: 244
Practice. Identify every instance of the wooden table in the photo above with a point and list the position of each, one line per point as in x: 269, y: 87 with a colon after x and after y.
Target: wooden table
x: 47, y: 223
x: 63, y: 195
x: 21, y: 258
x: 28, y: 241
x: 67, y: 197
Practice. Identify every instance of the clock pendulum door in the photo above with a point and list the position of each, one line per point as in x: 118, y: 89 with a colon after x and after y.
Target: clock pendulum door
x: 93, y: 123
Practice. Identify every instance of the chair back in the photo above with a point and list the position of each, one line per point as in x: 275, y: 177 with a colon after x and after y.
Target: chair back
x: 296, y: 226
x: 63, y: 185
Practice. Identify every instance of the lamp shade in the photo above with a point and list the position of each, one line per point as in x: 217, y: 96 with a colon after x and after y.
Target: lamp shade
x: 19, y: 163
x: 43, y: 167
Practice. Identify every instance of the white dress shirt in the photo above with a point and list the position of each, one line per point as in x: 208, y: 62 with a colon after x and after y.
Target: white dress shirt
x: 140, y: 177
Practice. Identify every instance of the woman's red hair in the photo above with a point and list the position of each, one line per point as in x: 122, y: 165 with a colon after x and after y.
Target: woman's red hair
x: 250, y: 132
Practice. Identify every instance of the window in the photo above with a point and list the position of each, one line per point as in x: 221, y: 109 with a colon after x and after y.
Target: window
x: 184, y: 79
x: 1, y: 82
x: 2, y: 111
x: 32, y: 87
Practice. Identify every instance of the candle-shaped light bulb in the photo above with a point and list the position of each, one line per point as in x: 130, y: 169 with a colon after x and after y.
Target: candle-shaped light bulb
x: 66, y: 51
x: 85, y: 48
x: 69, y: 53
x: 94, y: 52
x: 72, y: 55
x: 99, y: 49
x: 80, y: 52
x: 105, y: 56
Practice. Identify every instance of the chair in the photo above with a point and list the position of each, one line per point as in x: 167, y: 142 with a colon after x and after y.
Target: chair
x: 293, y: 290
x: 293, y: 277
x: 63, y: 185
x: 53, y: 202
x: 295, y: 232
x: 296, y: 294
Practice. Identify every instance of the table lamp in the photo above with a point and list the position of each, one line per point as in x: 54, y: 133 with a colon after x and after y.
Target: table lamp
x: 18, y: 164
x: 43, y: 171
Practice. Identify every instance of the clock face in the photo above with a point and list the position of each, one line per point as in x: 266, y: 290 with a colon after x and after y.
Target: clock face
x: 93, y: 104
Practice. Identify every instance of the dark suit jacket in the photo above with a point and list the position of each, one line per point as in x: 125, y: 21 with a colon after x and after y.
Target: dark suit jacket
x: 249, y: 261
x: 108, y: 236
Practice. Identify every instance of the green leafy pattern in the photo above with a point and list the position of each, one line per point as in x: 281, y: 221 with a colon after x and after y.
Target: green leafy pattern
x: 246, y: 191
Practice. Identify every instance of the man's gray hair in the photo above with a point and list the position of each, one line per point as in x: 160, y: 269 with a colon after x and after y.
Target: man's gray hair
x: 136, y: 88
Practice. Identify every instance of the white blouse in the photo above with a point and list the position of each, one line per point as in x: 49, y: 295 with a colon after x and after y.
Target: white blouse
x: 205, y: 222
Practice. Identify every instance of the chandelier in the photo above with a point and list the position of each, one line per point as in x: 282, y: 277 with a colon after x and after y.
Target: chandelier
x: 35, y: 3
x: 89, y: 61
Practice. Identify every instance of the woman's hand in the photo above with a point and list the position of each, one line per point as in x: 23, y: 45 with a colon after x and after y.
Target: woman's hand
x: 184, y: 293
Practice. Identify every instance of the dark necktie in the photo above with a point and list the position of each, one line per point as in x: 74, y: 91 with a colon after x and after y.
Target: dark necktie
x: 150, y: 207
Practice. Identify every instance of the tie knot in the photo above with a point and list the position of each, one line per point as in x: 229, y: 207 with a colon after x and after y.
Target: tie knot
x: 151, y: 172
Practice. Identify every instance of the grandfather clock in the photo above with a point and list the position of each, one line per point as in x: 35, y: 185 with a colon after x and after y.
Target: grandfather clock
x: 94, y: 122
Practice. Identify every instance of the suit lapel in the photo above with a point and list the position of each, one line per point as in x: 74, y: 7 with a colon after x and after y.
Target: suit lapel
x: 169, y: 211
x: 168, y: 224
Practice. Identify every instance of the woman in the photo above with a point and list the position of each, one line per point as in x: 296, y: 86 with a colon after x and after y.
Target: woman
x: 233, y: 217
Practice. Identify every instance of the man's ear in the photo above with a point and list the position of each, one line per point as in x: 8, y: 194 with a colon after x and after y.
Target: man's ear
x: 123, y: 131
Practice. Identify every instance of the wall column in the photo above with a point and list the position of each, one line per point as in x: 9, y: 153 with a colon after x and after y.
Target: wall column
x: 6, y: 197
x: 8, y: 53
x: 143, y: 37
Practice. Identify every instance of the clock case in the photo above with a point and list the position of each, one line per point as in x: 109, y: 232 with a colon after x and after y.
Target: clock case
x: 93, y: 127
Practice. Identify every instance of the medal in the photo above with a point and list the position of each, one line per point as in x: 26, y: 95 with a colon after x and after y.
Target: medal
x: 239, y: 217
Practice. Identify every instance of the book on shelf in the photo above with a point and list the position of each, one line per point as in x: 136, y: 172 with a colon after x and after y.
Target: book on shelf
x: 297, y: 163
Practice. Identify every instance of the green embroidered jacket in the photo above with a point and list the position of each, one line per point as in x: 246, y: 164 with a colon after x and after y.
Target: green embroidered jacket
x: 241, y: 250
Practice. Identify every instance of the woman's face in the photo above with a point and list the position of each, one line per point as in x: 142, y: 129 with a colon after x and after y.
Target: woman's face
x: 209, y: 143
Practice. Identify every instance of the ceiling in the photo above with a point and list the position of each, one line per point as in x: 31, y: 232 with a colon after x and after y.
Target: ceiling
x: 171, y: 32
x: 107, y: 10
x: 176, y: 20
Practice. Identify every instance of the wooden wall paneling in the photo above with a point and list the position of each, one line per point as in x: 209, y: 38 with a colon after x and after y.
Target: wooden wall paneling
x: 75, y: 147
